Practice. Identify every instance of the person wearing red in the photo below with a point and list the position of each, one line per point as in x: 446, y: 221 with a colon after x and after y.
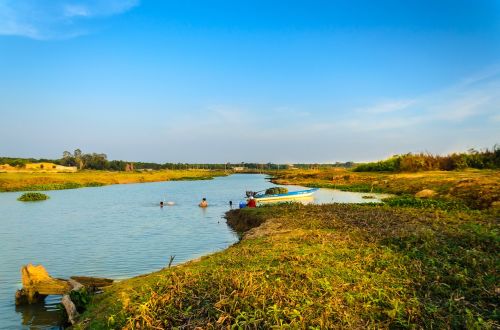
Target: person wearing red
x: 252, y: 202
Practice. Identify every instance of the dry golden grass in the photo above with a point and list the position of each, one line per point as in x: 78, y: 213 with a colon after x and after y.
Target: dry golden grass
x: 22, y: 181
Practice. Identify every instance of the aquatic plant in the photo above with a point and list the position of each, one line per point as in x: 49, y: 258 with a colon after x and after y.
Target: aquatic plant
x: 32, y: 197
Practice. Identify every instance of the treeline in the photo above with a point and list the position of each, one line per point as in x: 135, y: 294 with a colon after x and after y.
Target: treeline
x: 484, y: 159
x: 99, y: 161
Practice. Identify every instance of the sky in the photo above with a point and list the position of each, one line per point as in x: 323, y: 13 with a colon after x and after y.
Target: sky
x: 248, y: 81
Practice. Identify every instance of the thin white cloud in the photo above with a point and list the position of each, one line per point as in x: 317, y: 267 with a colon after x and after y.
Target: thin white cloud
x: 477, y: 96
x: 76, y: 11
x: 387, y: 106
x: 55, y: 19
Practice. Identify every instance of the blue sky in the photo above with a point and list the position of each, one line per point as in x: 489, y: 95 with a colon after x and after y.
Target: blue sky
x: 219, y: 81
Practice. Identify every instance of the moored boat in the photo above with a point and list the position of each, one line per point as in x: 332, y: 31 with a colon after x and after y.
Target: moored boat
x: 285, y: 196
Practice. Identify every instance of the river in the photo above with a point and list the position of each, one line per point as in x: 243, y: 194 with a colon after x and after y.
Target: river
x: 117, y: 231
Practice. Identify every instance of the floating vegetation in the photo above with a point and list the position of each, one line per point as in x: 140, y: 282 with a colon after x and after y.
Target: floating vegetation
x: 32, y: 197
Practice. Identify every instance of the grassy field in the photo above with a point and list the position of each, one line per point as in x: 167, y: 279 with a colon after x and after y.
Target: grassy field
x: 25, y: 181
x: 477, y: 189
x: 319, y: 267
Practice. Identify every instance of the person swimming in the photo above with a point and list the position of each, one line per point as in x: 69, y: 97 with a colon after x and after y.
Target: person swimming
x: 161, y: 204
x: 203, y: 203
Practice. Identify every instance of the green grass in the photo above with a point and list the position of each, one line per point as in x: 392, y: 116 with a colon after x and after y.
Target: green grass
x: 32, y: 197
x: 325, y: 266
x: 411, y: 201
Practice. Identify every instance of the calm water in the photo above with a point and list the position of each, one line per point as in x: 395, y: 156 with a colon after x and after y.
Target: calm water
x: 117, y: 232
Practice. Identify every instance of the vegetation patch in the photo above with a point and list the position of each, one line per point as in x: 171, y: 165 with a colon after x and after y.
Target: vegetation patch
x: 32, y: 197
x: 429, y: 162
x: 324, y: 267
x: 276, y: 190
x: 411, y: 201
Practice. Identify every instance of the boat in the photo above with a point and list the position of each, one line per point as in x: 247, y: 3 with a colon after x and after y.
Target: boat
x: 287, y: 196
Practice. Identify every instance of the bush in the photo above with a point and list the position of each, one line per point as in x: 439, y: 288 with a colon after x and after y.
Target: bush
x: 276, y: 190
x: 427, y: 162
x: 32, y: 197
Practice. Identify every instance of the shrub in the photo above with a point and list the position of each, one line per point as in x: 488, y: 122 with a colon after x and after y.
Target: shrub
x: 32, y: 197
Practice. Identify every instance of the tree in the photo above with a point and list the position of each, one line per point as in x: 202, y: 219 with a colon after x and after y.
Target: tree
x: 77, y: 154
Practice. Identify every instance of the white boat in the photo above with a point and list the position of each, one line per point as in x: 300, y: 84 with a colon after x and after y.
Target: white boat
x: 287, y: 196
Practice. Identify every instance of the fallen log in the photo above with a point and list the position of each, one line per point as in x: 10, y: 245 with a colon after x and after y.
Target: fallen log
x: 37, y: 284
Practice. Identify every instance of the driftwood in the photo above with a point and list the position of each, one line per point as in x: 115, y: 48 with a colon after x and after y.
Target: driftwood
x: 37, y: 284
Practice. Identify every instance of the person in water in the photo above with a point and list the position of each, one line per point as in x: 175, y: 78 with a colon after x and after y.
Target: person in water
x: 203, y: 203
x: 231, y: 204
x: 251, y: 202
x: 161, y: 204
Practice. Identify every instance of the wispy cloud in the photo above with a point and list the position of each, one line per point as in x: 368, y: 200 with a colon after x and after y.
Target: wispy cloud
x: 473, y: 97
x: 56, y: 18
x: 387, y: 106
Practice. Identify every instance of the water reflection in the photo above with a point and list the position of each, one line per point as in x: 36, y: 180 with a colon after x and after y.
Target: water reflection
x: 43, y: 315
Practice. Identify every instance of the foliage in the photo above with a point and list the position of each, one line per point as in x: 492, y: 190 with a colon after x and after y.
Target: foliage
x: 32, y: 197
x: 80, y: 298
x: 276, y: 190
x: 323, y: 267
x: 411, y: 201
x: 428, y: 162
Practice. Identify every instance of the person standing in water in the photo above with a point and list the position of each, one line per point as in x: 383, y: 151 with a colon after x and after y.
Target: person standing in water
x: 252, y: 202
x: 203, y: 203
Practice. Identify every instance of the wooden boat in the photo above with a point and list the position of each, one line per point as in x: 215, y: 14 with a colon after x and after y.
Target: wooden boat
x: 289, y: 195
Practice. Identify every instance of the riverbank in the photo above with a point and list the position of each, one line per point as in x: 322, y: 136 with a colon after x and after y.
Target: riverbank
x: 324, y: 266
x: 25, y: 181
x: 475, y: 189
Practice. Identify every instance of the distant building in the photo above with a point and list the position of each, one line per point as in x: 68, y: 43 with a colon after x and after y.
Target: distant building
x: 239, y: 168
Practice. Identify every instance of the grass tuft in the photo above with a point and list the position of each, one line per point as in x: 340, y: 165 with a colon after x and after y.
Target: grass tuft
x: 32, y: 197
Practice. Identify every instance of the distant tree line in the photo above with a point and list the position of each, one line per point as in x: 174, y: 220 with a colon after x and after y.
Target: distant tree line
x: 484, y: 159
x: 99, y: 161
